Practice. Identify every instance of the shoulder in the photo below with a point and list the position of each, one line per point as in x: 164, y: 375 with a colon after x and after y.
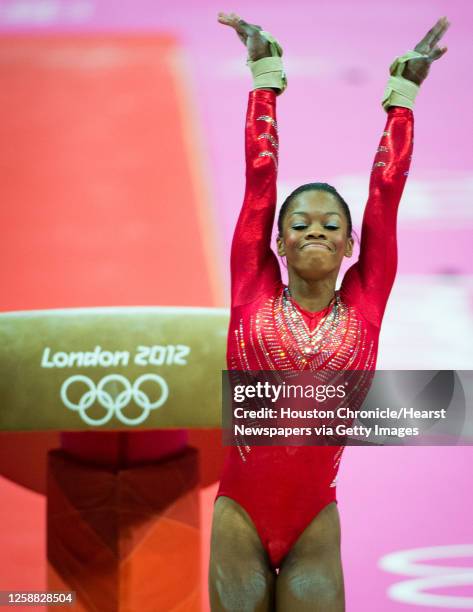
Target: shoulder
x: 258, y: 300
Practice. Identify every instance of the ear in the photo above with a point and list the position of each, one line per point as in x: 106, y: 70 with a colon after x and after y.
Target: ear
x: 280, y: 245
x: 349, y: 247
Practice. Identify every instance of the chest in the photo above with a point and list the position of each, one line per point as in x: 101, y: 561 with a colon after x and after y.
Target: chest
x: 273, y: 335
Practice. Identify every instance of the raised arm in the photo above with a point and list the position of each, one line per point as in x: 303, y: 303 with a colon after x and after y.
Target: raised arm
x: 370, y: 280
x: 254, y: 266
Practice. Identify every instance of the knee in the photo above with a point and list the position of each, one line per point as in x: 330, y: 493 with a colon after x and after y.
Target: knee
x: 309, y: 585
x: 236, y: 588
x: 239, y: 575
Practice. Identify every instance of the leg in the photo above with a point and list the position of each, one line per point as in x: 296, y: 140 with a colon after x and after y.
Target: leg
x: 310, y: 578
x: 240, y: 577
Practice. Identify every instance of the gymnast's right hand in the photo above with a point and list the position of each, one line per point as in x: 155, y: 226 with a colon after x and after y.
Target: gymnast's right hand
x: 257, y: 45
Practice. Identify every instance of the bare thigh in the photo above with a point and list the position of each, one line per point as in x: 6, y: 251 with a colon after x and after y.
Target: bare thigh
x: 240, y: 577
x: 311, y: 575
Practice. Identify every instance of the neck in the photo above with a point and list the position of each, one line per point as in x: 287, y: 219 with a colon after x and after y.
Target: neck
x: 312, y: 295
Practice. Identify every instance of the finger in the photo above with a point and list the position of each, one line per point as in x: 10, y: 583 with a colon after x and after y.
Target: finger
x: 232, y: 20
x: 439, y: 31
x: 222, y: 17
x: 425, y: 43
x: 437, y: 53
x: 226, y: 19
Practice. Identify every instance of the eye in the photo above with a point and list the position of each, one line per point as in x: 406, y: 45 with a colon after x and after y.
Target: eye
x: 299, y: 226
x: 331, y: 226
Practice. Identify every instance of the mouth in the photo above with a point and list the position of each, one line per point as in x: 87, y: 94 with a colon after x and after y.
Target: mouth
x: 316, y: 245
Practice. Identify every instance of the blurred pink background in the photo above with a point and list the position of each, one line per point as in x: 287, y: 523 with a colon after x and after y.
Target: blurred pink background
x: 337, y: 55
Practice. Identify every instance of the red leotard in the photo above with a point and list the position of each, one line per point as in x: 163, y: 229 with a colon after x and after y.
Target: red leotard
x: 283, y: 488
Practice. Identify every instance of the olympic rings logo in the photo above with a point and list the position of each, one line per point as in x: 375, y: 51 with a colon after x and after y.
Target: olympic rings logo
x: 407, y: 562
x: 114, y: 404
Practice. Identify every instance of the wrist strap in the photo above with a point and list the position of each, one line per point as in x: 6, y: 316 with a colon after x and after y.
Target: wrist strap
x: 400, y: 91
x: 268, y: 72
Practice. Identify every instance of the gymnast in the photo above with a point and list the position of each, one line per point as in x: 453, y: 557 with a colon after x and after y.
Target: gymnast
x: 276, y: 532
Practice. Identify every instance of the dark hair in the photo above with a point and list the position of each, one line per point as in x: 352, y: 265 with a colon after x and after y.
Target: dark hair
x: 314, y: 187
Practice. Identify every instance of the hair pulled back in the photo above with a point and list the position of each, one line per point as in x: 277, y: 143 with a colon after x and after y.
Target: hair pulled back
x: 314, y: 187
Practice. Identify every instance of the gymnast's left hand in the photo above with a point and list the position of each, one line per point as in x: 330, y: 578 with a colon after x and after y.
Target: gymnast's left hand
x: 417, y: 69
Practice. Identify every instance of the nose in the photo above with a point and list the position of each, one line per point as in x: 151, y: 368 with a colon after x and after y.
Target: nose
x: 315, y: 231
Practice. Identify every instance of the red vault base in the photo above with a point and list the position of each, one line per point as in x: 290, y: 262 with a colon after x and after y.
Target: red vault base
x: 125, y: 540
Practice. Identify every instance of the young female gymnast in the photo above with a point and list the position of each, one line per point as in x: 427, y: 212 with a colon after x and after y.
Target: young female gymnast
x: 276, y: 533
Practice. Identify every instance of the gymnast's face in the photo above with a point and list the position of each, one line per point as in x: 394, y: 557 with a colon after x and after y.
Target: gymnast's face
x: 315, y: 235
